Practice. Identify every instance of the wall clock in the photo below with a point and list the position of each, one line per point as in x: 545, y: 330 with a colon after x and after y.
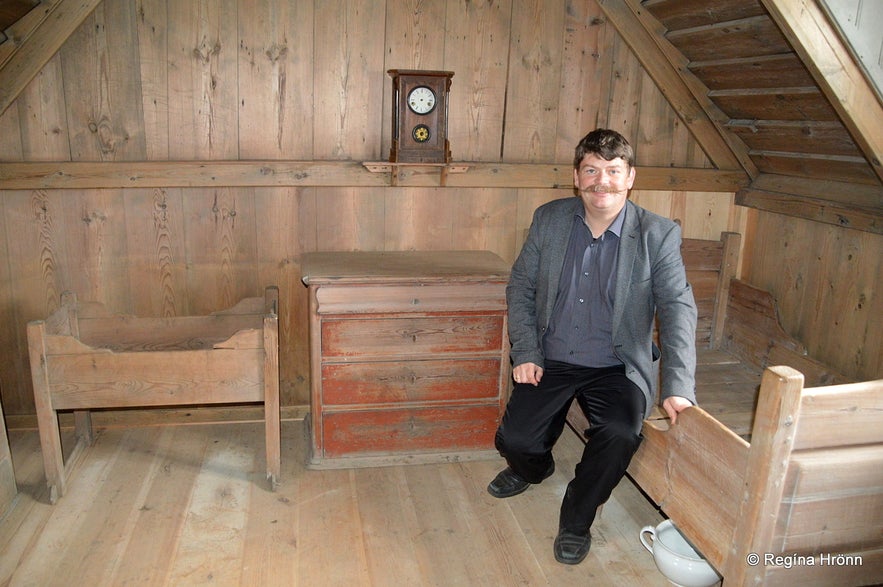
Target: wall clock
x: 420, y: 116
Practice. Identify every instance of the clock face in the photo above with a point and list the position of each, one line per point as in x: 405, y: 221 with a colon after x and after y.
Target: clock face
x: 421, y: 100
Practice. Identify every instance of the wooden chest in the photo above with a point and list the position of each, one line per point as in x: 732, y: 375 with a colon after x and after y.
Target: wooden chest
x: 409, y: 355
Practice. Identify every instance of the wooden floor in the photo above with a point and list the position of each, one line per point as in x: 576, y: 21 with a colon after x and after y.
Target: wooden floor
x: 188, y: 505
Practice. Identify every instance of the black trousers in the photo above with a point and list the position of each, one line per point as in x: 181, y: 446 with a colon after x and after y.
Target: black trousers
x: 536, y: 416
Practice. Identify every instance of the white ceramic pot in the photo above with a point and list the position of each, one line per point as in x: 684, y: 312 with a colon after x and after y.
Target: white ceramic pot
x: 675, y: 558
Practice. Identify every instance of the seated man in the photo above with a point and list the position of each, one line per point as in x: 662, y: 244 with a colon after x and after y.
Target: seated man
x: 582, y: 296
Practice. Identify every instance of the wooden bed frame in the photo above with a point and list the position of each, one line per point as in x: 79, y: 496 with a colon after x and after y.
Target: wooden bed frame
x: 84, y: 358
x: 786, y: 471
x: 805, y: 496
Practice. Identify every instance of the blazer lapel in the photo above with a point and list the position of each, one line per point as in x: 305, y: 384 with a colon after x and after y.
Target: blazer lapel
x: 557, y: 237
x: 628, y: 252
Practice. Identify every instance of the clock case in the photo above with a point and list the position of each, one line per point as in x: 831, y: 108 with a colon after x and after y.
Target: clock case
x: 405, y: 148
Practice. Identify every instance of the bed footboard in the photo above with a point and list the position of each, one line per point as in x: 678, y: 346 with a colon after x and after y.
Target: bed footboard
x: 694, y: 472
x: 805, y: 496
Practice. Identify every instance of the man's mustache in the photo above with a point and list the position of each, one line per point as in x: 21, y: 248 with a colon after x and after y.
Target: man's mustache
x: 602, y: 189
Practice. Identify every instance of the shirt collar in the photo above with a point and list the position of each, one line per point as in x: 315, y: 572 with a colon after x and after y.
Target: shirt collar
x: 615, y: 226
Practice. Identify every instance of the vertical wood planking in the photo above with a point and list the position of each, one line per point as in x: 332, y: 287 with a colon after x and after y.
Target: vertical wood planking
x: 275, y: 66
x: 418, y: 220
x: 852, y: 292
x: 415, y: 34
x: 704, y: 214
x: 278, y: 249
x: 653, y: 200
x: 625, y: 91
x: 221, y: 245
x: 789, y: 253
x: 483, y: 220
x: 14, y: 376
x: 202, y: 80
x: 43, y: 120
x: 153, y: 51
x: 8, y: 487
x: 350, y: 219
x: 477, y: 37
x: 656, y: 120
x: 156, y: 245
x: 94, y: 232
x: 348, y: 78
x: 585, y: 75
x: 33, y: 229
x: 102, y: 89
x: 39, y: 271
x: 535, y: 48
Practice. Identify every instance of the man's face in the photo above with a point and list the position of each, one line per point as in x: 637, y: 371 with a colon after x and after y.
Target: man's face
x: 603, y: 185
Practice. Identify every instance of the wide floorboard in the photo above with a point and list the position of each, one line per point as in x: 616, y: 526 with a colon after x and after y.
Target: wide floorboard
x: 189, y: 505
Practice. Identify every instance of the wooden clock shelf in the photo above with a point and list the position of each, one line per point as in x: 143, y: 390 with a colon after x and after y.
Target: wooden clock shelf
x: 395, y: 169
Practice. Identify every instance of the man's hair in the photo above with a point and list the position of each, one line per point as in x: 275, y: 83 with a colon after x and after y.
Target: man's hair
x: 605, y: 143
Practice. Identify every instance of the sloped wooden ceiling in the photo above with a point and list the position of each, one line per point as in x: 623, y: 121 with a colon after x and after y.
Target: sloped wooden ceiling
x: 781, y: 90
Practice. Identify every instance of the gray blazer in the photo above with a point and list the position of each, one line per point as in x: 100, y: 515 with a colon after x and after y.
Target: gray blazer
x: 651, y: 281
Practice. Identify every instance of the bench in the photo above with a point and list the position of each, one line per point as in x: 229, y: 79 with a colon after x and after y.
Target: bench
x: 84, y: 358
x: 732, y: 474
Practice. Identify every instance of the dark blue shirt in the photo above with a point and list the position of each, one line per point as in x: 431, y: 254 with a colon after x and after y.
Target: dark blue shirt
x: 581, y: 327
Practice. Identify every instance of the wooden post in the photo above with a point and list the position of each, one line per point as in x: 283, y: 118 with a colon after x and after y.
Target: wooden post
x: 772, y: 440
x: 729, y: 265
x: 271, y: 386
x: 50, y: 439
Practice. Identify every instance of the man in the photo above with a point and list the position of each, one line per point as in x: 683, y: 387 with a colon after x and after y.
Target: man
x: 582, y: 296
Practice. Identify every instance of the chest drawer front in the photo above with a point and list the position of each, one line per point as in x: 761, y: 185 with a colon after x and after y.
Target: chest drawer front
x: 386, y: 338
x: 380, y: 299
x: 410, y: 430
x: 410, y: 381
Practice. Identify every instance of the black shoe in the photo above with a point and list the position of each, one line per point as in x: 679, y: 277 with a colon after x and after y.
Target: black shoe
x: 571, y: 548
x: 508, y: 483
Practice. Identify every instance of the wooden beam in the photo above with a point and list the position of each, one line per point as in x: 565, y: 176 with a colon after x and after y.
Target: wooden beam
x: 153, y: 174
x: 840, y: 193
x: 686, y: 94
x: 827, y: 211
x: 150, y: 174
x: 842, y: 80
x: 58, y: 21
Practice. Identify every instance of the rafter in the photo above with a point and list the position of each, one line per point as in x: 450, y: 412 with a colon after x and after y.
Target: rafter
x: 55, y: 22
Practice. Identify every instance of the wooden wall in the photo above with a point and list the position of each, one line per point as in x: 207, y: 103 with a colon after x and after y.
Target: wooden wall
x: 232, y: 80
x: 827, y: 281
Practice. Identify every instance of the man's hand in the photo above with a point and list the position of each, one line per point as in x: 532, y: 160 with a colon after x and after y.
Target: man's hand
x: 675, y: 404
x: 527, y: 373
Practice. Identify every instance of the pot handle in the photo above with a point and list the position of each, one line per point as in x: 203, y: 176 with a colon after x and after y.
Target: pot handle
x: 652, y: 532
